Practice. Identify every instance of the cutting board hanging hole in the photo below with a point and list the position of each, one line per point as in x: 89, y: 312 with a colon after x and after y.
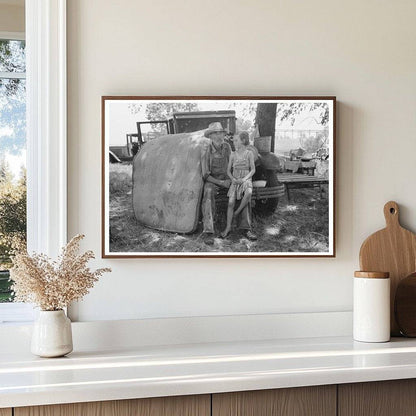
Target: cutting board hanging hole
x: 391, y: 213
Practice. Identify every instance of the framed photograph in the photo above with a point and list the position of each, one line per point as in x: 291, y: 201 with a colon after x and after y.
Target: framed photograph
x: 218, y: 176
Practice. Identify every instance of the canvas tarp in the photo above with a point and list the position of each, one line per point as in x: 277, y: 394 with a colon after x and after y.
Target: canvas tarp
x: 168, y: 181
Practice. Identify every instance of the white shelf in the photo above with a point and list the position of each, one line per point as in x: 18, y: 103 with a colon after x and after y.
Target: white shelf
x: 151, y: 371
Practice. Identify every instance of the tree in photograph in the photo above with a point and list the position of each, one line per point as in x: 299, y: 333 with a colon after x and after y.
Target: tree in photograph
x: 162, y: 111
x: 135, y: 108
x: 266, y: 120
x: 246, y: 115
x: 293, y: 112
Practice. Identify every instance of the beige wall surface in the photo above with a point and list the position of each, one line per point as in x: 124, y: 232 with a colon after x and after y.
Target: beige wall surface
x: 360, y: 51
x: 12, y: 18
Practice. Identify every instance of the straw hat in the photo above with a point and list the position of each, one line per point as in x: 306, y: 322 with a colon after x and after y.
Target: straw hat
x: 214, y: 128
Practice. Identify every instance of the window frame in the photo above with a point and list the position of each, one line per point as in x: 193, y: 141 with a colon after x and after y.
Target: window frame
x: 46, y: 127
x: 12, y: 36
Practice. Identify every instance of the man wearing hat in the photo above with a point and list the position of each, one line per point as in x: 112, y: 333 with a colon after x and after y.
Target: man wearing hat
x: 215, y: 176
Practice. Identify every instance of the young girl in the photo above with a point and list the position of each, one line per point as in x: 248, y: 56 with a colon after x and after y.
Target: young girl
x: 242, y: 165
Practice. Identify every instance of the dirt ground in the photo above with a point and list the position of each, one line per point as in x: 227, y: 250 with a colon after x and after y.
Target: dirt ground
x: 301, y: 226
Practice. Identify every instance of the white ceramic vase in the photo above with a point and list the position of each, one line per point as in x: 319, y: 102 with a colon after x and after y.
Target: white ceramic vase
x: 52, y: 334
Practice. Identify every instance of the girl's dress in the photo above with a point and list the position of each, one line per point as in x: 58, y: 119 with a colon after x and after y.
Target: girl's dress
x: 241, y: 167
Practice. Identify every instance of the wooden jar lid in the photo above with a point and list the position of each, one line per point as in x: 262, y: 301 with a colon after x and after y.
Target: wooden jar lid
x: 372, y: 275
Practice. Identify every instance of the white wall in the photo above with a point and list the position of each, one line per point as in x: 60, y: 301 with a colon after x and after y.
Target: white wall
x: 361, y: 51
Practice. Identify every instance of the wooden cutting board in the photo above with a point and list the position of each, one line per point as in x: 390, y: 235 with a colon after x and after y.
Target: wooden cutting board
x: 393, y: 250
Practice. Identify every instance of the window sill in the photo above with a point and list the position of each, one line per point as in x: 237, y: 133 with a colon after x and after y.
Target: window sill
x: 16, y: 313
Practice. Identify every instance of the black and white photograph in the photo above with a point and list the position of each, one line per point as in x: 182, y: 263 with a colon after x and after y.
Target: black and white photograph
x: 218, y: 176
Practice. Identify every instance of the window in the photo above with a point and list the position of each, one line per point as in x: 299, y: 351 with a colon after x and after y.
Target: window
x: 45, y: 27
x: 12, y: 153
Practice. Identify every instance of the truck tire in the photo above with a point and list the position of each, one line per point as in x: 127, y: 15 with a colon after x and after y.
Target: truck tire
x: 266, y: 207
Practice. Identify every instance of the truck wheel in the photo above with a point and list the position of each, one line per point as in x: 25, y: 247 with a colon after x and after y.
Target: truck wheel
x: 266, y: 207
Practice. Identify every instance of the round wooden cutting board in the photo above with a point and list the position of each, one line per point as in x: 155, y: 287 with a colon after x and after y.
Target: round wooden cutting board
x: 393, y: 250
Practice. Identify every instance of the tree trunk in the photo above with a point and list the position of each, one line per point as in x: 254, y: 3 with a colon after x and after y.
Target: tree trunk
x: 266, y: 120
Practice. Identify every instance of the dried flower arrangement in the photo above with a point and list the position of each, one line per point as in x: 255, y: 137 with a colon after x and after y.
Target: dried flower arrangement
x: 53, y: 285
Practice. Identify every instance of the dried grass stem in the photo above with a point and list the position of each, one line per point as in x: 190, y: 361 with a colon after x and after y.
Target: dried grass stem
x: 53, y: 285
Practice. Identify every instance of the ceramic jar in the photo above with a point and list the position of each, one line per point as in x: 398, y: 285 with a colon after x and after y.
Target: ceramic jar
x: 52, y: 334
x: 371, y: 307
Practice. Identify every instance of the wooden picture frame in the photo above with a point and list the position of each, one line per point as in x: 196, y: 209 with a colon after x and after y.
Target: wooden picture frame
x: 159, y: 154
